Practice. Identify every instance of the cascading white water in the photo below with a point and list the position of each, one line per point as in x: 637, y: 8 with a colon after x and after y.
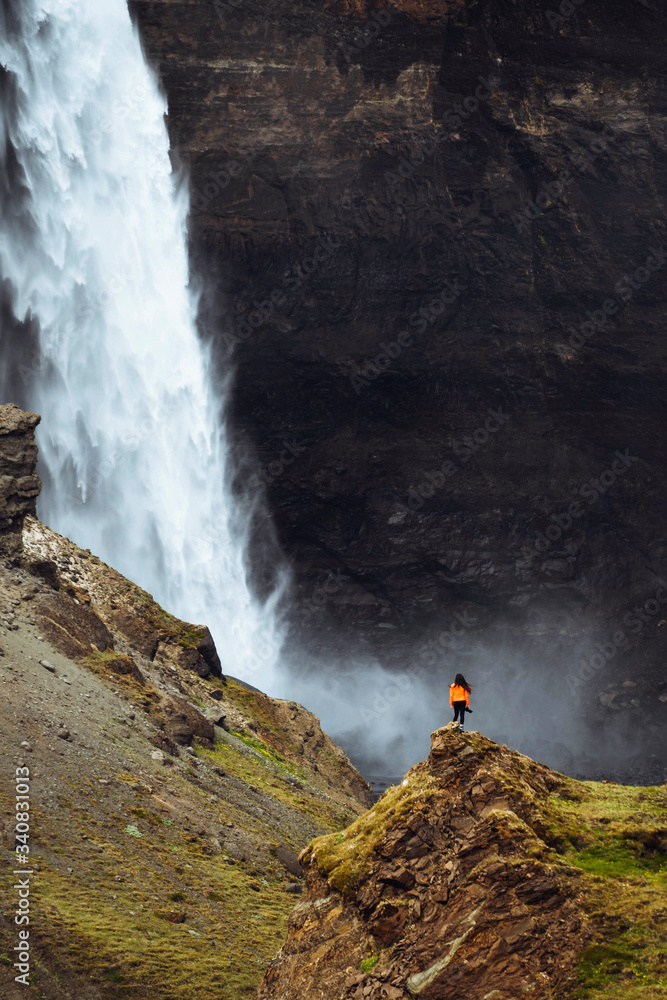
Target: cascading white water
x: 94, y: 250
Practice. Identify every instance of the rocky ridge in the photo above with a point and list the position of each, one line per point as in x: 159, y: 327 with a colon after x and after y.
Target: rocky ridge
x: 168, y: 803
x: 473, y: 879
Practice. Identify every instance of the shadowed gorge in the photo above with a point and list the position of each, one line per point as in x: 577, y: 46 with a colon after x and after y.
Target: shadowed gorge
x: 437, y: 232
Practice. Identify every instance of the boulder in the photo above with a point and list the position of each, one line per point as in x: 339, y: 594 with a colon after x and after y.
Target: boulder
x: 290, y: 861
x: 182, y: 722
x: 194, y: 651
x: 126, y: 667
x: 46, y: 570
x: 71, y: 627
x: 217, y: 717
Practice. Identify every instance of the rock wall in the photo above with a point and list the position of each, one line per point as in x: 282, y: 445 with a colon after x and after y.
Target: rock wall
x: 19, y: 485
x: 435, y: 232
x: 334, y: 222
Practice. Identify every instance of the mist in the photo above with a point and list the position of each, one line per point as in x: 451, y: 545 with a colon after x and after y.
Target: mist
x: 528, y: 693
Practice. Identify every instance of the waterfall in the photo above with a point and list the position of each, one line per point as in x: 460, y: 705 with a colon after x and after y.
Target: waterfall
x: 93, y: 247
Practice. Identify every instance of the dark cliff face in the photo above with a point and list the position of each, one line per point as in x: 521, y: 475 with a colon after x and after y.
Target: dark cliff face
x: 19, y: 485
x: 437, y: 235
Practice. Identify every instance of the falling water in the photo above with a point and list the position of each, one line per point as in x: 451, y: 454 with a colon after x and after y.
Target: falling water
x: 93, y: 249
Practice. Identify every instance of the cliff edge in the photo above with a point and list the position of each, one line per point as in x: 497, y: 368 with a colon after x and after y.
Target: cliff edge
x: 483, y: 876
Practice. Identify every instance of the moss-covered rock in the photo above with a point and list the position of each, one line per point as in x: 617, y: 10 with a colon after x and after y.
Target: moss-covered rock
x: 484, y: 874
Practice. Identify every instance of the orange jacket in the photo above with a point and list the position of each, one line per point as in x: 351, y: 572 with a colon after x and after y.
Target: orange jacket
x: 457, y: 693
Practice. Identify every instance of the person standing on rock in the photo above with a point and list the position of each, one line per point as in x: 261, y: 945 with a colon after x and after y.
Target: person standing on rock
x: 459, y: 698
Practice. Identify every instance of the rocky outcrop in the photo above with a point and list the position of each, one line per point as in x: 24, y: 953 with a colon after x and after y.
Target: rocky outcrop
x: 449, y: 888
x: 72, y: 627
x: 93, y: 592
x: 307, y: 744
x: 182, y: 722
x: 19, y: 485
x: 416, y: 213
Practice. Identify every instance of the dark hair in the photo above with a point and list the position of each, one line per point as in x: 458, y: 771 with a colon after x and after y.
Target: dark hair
x: 460, y: 681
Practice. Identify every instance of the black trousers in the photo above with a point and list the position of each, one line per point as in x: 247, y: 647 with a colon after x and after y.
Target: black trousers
x: 460, y: 709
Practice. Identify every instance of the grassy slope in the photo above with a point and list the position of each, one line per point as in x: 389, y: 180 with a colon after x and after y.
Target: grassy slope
x: 618, y: 836
x: 120, y: 862
x: 153, y: 880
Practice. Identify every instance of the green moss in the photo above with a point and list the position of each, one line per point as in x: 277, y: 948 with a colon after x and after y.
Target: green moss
x: 112, y: 976
x: 189, y: 638
x: 616, y: 836
x: 609, y: 829
x: 265, y: 772
x: 628, y: 965
x: 346, y: 860
x: 185, y: 635
x: 102, y: 659
x: 615, y: 857
x: 368, y: 964
x: 117, y: 942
